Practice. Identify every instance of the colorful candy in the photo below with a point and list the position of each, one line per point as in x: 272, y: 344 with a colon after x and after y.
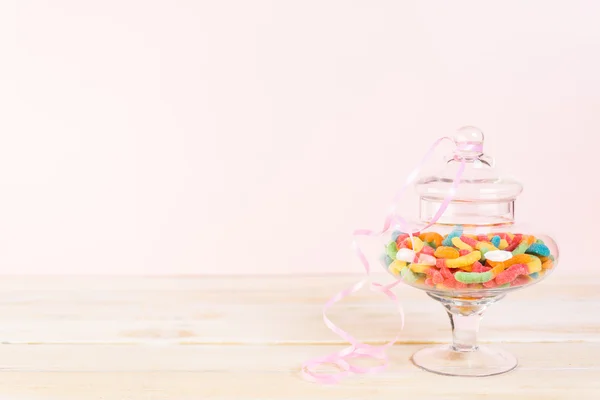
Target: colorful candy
x: 458, y: 260
x: 511, y: 273
x: 432, y: 237
x: 446, y: 252
x: 473, y: 277
x: 391, y: 250
x: 418, y: 243
x: 460, y: 244
x: 538, y: 249
x: 463, y: 260
x: 407, y: 275
x: 406, y: 255
x: 457, y: 232
x: 524, y: 245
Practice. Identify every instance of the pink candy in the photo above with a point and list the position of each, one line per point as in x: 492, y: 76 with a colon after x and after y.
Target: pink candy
x: 434, y: 275
x: 427, y: 250
x: 511, y: 273
x: 514, y: 242
x: 469, y: 241
x: 449, y: 280
x: 464, y: 252
x: 478, y: 267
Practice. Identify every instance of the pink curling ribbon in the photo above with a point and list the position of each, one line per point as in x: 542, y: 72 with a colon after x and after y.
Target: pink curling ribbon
x: 356, y: 348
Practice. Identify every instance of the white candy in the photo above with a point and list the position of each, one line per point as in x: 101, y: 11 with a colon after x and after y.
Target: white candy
x: 498, y: 255
x: 406, y: 255
x: 427, y: 259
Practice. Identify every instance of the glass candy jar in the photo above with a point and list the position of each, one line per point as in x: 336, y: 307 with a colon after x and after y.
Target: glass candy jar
x: 470, y: 257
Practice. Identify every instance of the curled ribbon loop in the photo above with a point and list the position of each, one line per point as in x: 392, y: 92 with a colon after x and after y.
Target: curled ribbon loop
x: 362, y: 350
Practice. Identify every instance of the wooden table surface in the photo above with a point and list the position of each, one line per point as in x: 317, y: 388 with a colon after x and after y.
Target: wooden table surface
x: 184, y: 338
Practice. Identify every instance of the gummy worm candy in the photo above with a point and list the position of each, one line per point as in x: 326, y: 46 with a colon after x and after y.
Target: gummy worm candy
x: 496, y: 241
x: 419, y: 268
x: 418, y: 243
x: 436, y: 276
x: 514, y: 242
x: 511, y: 273
x: 396, y: 266
x: 539, y: 249
x: 473, y: 277
x: 485, y: 246
x: 428, y: 250
x: 533, y: 263
x: 450, y: 281
x: 426, y: 259
x: 401, y: 238
x: 524, y: 245
x: 464, y: 252
x: 547, y: 262
x: 460, y: 244
x: 446, y: 252
x: 456, y: 232
x: 432, y: 237
x: 391, y: 250
x: 405, y: 254
x: 477, y: 267
x: 503, y: 244
x: 469, y: 240
x: 407, y: 275
x: 463, y: 260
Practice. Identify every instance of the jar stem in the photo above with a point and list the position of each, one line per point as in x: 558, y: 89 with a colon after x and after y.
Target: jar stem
x: 465, y: 329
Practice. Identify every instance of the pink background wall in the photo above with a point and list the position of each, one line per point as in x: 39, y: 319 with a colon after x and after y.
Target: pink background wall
x: 253, y: 136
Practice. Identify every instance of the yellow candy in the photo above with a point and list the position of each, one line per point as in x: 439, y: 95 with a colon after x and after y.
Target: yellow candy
x: 420, y: 281
x: 396, y: 266
x: 446, y: 252
x: 420, y: 268
x: 418, y: 244
x: 460, y: 244
x: 485, y: 246
x: 465, y: 260
x: 503, y: 244
x: 499, y: 267
x: 535, y: 265
x: 466, y: 268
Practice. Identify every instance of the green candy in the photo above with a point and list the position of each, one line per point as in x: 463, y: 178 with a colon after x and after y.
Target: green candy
x: 483, y: 250
x: 391, y: 250
x: 407, y: 275
x: 505, y: 285
x: 521, y: 249
x: 473, y: 277
x: 539, y: 241
x: 431, y: 244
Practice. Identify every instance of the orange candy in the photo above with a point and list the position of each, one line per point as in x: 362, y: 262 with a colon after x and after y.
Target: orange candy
x: 446, y: 252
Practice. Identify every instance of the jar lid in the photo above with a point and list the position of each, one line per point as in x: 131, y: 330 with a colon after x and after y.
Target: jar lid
x: 482, y: 196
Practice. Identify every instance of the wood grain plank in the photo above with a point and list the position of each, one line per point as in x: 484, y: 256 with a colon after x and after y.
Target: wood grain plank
x: 546, y: 371
x: 180, y: 310
x: 256, y: 358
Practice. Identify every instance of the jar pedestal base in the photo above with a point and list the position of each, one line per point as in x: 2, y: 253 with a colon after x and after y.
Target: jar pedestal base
x: 444, y: 360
